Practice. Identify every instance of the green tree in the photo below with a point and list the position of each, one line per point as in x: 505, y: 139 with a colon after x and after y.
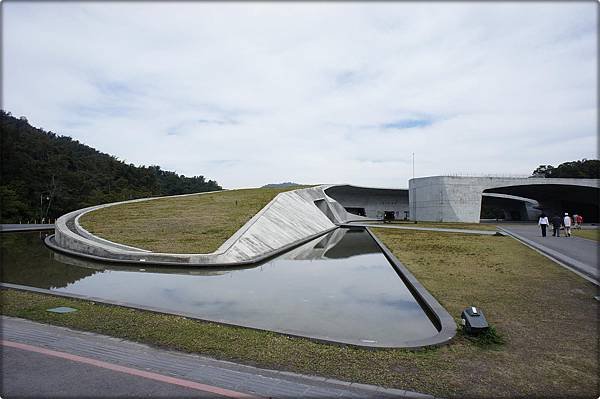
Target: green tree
x: 583, y: 169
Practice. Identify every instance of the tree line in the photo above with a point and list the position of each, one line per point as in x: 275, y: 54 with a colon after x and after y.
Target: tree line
x: 584, y: 169
x: 44, y: 175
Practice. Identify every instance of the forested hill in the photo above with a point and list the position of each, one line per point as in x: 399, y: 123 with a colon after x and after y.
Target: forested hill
x: 47, y: 175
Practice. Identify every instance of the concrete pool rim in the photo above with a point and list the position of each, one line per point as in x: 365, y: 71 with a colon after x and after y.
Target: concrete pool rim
x: 439, y: 316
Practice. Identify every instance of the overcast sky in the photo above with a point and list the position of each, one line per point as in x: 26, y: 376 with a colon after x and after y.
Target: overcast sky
x: 256, y: 93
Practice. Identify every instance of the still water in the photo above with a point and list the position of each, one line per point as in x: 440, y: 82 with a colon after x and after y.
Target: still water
x: 338, y: 287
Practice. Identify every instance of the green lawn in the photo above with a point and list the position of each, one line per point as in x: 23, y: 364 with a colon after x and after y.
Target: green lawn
x: 447, y: 225
x: 549, y: 350
x: 592, y: 234
x: 192, y: 224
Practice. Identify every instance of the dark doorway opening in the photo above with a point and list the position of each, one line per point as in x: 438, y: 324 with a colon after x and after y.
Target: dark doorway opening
x: 515, y: 215
x: 503, y: 208
x: 357, y: 211
x: 552, y: 198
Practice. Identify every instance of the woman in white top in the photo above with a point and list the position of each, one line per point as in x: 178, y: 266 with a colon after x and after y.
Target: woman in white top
x: 543, y: 222
x: 567, y: 224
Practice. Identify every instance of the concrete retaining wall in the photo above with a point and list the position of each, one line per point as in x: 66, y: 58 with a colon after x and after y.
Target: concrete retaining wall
x: 290, y: 219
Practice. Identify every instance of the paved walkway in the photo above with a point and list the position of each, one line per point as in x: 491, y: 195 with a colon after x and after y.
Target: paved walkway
x: 25, y: 227
x: 578, y: 254
x: 391, y: 226
x: 40, y: 360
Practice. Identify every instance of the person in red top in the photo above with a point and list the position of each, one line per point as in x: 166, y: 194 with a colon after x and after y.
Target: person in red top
x: 578, y: 221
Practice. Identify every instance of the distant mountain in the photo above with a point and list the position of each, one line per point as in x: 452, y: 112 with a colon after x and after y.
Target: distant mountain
x: 46, y: 175
x: 281, y: 185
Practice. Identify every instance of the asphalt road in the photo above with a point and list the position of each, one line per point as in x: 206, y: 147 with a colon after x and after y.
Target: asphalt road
x: 583, y: 252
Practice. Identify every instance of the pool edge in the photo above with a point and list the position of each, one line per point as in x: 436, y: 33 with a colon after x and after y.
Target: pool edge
x: 442, y: 320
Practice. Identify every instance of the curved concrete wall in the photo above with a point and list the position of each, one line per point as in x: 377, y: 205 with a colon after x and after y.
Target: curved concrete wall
x: 458, y: 199
x: 289, y: 219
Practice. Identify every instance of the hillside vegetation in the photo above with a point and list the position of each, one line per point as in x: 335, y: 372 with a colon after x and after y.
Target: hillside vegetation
x: 44, y: 175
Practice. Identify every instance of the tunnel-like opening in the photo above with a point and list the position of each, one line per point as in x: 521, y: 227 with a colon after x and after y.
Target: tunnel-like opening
x: 508, y: 207
x: 324, y: 207
x: 371, y: 202
x: 356, y: 211
x: 526, y: 202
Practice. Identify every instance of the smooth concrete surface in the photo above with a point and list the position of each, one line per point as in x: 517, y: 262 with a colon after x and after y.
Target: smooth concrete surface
x: 48, y: 375
x: 458, y: 199
x: 291, y: 218
x: 12, y: 228
x: 577, y: 253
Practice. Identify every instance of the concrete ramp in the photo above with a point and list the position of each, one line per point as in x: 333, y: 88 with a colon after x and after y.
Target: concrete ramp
x: 290, y: 219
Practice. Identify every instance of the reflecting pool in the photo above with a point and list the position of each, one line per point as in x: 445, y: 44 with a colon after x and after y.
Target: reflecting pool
x: 338, y: 287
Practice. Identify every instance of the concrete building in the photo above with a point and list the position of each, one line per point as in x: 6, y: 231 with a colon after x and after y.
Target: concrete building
x: 460, y: 199
x: 469, y: 199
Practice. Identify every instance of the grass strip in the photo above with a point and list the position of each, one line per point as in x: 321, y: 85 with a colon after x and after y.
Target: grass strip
x: 447, y: 225
x: 592, y: 234
x: 191, y: 224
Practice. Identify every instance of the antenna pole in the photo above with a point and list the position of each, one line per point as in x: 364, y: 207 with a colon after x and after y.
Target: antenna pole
x: 414, y: 191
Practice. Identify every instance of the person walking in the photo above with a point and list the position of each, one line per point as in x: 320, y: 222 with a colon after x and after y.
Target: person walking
x: 543, y: 223
x: 567, y: 223
x: 578, y: 221
x: 556, y: 222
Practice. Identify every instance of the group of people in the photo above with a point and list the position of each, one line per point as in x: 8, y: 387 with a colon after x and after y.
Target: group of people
x: 557, y: 222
